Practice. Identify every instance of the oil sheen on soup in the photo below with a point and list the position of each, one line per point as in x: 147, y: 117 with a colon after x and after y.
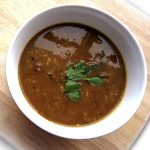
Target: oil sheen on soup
x: 72, y: 74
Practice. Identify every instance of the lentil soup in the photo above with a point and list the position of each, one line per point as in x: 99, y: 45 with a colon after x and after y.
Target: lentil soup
x: 72, y: 74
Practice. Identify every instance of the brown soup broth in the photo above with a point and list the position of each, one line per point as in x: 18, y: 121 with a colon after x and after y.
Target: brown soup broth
x: 42, y: 71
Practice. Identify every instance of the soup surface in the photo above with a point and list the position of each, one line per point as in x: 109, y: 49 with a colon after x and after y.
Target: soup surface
x: 72, y: 74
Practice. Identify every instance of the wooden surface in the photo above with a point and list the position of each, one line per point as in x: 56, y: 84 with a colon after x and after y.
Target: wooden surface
x: 23, y: 134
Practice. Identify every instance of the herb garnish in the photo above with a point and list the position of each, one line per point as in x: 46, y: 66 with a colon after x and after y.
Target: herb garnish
x: 78, y: 72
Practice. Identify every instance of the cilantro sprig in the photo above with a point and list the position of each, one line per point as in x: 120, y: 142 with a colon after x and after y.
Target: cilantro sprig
x: 78, y: 72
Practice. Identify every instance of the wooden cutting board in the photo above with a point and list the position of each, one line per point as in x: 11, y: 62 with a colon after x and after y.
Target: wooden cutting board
x: 23, y: 134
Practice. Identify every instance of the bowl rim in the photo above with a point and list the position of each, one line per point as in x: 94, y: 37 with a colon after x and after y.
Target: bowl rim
x: 61, y: 133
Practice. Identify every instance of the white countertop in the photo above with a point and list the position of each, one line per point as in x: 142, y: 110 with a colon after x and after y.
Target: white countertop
x: 143, y: 5
x: 142, y: 141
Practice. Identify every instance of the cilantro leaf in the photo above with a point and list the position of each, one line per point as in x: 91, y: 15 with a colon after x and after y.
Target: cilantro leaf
x: 74, y: 95
x: 70, y: 73
x: 76, y: 72
x: 71, y: 86
x: 95, y: 81
x: 74, y: 75
x: 72, y: 89
x: 80, y: 67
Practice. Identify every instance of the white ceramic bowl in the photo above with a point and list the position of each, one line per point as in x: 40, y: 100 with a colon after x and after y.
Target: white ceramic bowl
x: 118, y: 33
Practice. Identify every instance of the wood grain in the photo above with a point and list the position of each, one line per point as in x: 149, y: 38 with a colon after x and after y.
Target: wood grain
x: 23, y: 134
